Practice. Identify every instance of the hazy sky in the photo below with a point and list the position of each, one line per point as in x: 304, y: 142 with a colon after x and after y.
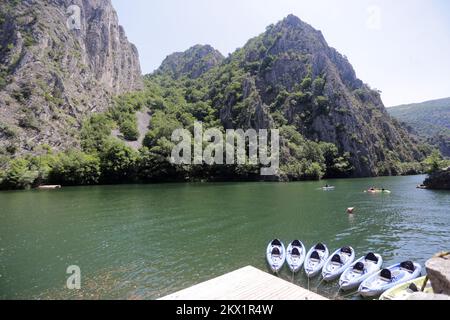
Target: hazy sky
x: 400, y: 47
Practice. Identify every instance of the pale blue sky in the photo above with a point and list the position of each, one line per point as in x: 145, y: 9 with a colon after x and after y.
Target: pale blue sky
x: 405, y: 52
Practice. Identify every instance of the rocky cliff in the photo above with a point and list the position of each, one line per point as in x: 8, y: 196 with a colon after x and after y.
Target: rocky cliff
x: 60, y: 61
x: 192, y: 63
x: 290, y: 76
x: 439, y: 180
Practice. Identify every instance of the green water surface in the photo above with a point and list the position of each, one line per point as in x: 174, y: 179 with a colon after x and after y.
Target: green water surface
x: 146, y: 241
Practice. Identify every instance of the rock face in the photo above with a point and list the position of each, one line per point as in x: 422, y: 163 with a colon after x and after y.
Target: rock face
x: 192, y: 63
x: 439, y: 180
x: 438, y: 269
x: 290, y: 76
x: 60, y: 61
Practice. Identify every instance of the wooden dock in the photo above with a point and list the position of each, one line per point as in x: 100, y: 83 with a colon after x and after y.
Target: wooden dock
x: 247, y: 283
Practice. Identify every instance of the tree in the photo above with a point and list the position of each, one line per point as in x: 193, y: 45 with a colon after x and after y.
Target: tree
x: 75, y: 168
x: 118, y: 162
x: 129, y: 130
x: 434, y: 162
x: 19, y: 175
x: 337, y: 166
x: 95, y: 132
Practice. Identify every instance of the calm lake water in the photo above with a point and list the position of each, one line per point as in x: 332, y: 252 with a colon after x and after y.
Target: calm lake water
x: 146, y: 241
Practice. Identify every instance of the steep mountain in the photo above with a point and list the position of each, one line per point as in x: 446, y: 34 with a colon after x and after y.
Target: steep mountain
x: 430, y: 120
x: 192, y: 63
x: 60, y: 61
x: 289, y: 76
x: 331, y: 124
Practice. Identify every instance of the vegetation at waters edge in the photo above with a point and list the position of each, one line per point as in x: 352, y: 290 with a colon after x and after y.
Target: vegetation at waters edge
x: 435, y: 162
x: 175, y: 104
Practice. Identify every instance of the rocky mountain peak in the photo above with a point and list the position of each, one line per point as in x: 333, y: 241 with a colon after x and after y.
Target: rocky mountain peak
x: 302, y: 82
x: 192, y: 63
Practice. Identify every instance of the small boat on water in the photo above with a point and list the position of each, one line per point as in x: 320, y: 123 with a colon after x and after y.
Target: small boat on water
x: 295, y: 257
x: 404, y: 290
x: 328, y: 188
x: 315, y: 260
x: 359, y: 271
x: 388, y: 278
x: 49, y: 187
x: 276, y: 255
x: 378, y: 191
x: 337, y: 263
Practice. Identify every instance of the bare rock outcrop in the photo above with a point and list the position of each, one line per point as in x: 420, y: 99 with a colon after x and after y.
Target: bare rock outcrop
x: 60, y: 61
x: 438, y: 270
x: 439, y: 180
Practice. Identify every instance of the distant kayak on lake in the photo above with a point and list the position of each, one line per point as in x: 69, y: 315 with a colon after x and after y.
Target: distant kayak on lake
x: 374, y: 190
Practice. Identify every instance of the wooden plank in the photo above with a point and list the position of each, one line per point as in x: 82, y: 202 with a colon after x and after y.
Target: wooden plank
x: 247, y: 283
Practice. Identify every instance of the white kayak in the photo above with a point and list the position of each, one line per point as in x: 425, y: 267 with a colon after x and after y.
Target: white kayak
x: 315, y: 259
x: 328, y: 188
x: 276, y: 255
x: 296, y: 254
x: 337, y: 263
x: 388, y: 278
x: 359, y: 271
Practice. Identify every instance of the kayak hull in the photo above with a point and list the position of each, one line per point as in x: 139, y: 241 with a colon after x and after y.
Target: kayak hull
x: 375, y: 285
x: 295, y: 263
x: 352, y: 279
x: 276, y: 262
x: 313, y: 266
x: 331, y: 271
x: 378, y: 191
x: 402, y: 291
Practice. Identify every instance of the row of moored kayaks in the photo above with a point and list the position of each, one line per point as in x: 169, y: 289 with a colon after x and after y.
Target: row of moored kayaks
x: 365, y: 273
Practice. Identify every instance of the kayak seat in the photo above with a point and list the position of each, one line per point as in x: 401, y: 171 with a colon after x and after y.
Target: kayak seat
x: 320, y: 247
x: 372, y: 257
x: 276, y: 252
x: 315, y: 255
x: 408, y: 266
x: 276, y: 242
x: 346, y: 250
x: 296, y: 243
x: 413, y: 287
x: 295, y: 252
x: 336, y: 259
x: 359, y: 267
x: 386, y: 274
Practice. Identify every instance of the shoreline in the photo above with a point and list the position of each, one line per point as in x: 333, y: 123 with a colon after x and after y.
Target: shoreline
x: 177, y: 182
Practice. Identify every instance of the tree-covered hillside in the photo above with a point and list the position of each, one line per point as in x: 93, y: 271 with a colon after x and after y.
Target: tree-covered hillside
x: 430, y: 120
